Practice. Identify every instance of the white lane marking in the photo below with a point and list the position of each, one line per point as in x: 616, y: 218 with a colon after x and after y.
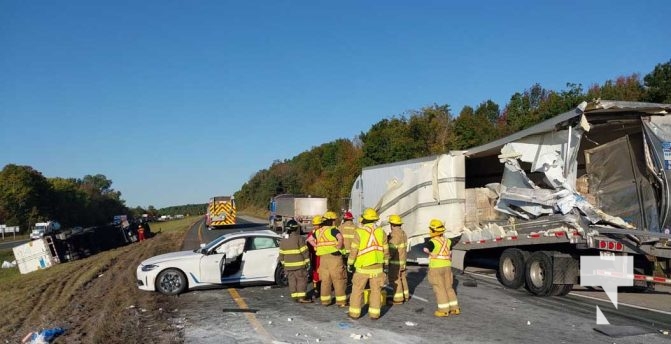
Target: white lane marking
x: 594, y: 298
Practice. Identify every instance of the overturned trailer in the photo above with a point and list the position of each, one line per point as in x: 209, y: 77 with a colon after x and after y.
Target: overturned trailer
x: 588, y: 182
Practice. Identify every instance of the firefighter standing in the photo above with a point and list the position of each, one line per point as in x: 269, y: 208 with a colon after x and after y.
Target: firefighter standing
x: 295, y: 258
x: 328, y: 242
x: 314, y: 259
x: 369, y: 256
x: 398, y: 253
x: 140, y: 233
x: 440, y: 270
x: 347, y: 229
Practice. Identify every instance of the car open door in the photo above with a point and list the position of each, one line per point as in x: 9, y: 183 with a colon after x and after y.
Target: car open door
x: 260, y: 259
x: 219, y: 263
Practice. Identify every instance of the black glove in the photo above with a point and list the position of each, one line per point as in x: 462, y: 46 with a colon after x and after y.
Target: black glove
x: 385, y: 269
x: 350, y: 268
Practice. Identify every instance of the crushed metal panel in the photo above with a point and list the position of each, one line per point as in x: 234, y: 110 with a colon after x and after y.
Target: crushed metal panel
x: 658, y: 140
x: 617, y: 178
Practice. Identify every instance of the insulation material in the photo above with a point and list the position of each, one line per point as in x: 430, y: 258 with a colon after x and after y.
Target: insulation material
x: 658, y: 138
x: 432, y: 190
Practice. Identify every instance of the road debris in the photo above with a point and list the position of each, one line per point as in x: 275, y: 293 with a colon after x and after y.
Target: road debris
x: 43, y: 337
x: 290, y: 319
x: 266, y: 288
x: 344, y: 325
x: 528, y: 322
x: 410, y: 323
x: 360, y: 336
x: 664, y: 332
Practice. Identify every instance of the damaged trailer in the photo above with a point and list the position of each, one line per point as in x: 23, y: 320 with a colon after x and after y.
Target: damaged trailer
x: 592, y: 181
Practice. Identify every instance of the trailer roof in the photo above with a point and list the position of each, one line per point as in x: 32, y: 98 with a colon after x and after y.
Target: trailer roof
x: 599, y: 110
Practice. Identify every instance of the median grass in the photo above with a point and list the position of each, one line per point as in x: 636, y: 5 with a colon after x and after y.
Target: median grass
x: 95, y: 299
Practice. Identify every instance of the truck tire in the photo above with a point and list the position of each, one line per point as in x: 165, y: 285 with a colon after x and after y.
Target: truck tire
x: 538, y: 274
x: 511, y: 272
x: 171, y: 282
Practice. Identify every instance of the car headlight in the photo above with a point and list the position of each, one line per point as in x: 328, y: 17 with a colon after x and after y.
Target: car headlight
x: 149, y: 267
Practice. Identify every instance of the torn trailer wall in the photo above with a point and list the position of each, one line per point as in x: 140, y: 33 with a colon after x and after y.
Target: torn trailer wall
x: 557, y: 174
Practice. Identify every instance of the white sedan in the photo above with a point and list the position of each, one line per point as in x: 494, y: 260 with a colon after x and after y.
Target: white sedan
x: 234, y: 258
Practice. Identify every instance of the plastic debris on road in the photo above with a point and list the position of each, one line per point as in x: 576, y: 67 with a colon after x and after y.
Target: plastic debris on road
x: 290, y: 319
x: 266, y: 288
x: 360, y: 336
x: 410, y: 323
x: 8, y: 265
x: 43, y: 337
x: 528, y: 322
x: 664, y: 332
x: 343, y: 325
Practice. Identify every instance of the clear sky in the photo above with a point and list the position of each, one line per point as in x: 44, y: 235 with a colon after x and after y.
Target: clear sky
x: 178, y: 101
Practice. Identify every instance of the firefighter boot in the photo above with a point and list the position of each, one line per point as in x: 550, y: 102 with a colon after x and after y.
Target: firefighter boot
x: 441, y: 314
x: 455, y: 311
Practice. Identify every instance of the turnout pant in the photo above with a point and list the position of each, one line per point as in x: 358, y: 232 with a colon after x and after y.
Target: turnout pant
x: 333, y: 274
x: 399, y: 282
x: 441, y: 280
x: 298, y: 283
x: 359, y: 281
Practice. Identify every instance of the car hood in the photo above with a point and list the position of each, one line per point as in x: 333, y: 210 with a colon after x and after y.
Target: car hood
x: 181, y: 255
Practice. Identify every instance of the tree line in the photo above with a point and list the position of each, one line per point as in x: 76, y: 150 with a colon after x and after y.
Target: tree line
x: 330, y: 169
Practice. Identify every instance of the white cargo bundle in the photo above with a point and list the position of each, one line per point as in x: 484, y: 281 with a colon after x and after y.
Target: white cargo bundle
x: 34, y: 255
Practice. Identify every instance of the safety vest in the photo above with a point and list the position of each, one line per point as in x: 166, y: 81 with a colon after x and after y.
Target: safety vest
x: 326, y: 243
x: 371, y: 250
x: 347, y: 231
x: 441, y: 255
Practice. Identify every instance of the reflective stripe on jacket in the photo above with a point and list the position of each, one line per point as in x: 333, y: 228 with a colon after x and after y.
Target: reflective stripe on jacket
x: 326, y: 242
x: 369, y: 247
x: 441, y: 256
x: 294, y: 253
x: 397, y: 247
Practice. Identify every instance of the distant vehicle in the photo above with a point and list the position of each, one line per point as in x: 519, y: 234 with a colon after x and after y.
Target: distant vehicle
x: 234, y: 258
x: 44, y: 228
x: 221, y: 211
x: 298, y: 207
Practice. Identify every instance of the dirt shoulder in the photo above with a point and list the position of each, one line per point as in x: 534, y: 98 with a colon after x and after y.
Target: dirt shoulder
x: 95, y: 299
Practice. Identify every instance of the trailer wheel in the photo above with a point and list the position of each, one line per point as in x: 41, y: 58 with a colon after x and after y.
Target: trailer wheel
x: 539, y: 274
x: 512, y: 267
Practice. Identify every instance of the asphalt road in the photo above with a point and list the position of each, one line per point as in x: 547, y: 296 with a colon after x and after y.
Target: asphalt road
x: 9, y: 243
x: 490, y: 314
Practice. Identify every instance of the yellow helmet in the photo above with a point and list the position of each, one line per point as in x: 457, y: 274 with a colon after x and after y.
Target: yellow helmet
x: 370, y: 214
x: 317, y: 220
x: 436, y: 225
x: 330, y: 215
x: 395, y: 220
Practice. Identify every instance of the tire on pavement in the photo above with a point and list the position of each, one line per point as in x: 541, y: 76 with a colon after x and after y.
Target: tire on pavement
x: 171, y: 282
x: 538, y: 274
x: 512, y: 266
x: 280, y: 276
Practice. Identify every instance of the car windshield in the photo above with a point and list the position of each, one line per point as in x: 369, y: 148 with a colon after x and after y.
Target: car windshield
x: 212, y: 243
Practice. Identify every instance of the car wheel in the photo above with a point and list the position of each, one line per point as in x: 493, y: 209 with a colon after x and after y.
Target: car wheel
x: 171, y: 282
x: 281, y: 278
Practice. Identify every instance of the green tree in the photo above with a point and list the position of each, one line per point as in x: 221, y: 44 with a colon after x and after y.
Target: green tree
x: 25, y: 196
x: 658, y: 84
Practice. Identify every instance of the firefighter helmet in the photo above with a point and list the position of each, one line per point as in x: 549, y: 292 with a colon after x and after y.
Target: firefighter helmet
x: 395, y: 220
x: 330, y: 215
x: 292, y: 225
x: 369, y: 214
x: 347, y: 216
x: 436, y: 225
x: 317, y: 220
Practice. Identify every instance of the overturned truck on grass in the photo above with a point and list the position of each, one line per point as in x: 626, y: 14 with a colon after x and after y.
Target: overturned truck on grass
x: 594, y: 181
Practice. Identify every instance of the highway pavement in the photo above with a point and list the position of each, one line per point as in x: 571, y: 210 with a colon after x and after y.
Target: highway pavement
x: 490, y: 313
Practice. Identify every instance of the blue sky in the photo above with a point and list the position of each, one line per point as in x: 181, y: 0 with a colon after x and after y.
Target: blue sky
x: 178, y: 101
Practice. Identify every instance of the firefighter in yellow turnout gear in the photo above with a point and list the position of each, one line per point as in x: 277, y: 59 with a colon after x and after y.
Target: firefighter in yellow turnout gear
x: 398, y: 241
x: 347, y: 228
x: 440, y: 270
x: 328, y: 243
x: 294, y: 256
x: 369, y: 257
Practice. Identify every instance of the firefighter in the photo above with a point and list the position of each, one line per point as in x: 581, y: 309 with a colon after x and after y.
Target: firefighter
x: 314, y: 259
x: 440, y: 270
x: 368, y: 259
x: 347, y: 229
x: 295, y: 258
x: 397, y: 251
x: 328, y: 242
